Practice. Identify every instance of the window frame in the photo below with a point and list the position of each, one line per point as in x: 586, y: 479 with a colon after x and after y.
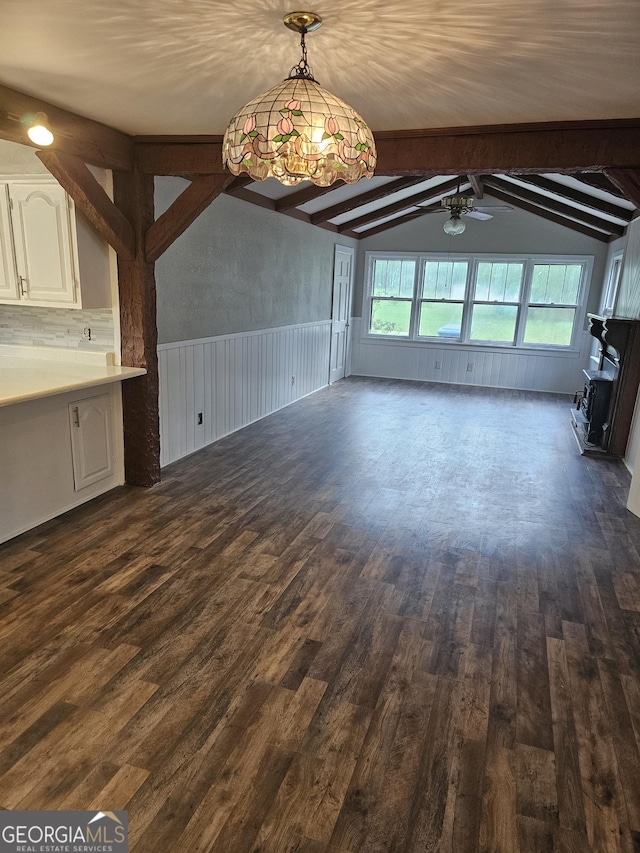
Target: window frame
x: 512, y: 259
x: 391, y: 256
x: 473, y: 260
x: 612, y: 287
x: 420, y: 299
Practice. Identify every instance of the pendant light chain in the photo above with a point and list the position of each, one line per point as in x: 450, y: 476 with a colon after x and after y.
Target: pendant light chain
x: 302, y: 70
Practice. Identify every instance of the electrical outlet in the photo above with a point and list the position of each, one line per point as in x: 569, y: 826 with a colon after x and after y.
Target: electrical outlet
x: 199, y: 418
x: 438, y: 365
x: 469, y: 368
x: 86, y: 334
x: 293, y: 380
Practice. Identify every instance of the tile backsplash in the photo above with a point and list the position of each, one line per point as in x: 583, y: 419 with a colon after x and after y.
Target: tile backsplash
x: 57, y: 327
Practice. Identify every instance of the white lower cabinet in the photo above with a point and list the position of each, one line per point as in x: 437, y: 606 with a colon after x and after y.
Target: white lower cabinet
x: 48, y: 465
x: 91, y: 440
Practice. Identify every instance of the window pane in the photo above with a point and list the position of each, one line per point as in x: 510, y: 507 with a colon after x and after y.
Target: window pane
x: 393, y: 278
x: 556, y: 283
x: 390, y: 317
x: 444, y: 279
x: 549, y: 326
x: 493, y: 323
x: 498, y: 282
x: 440, y: 319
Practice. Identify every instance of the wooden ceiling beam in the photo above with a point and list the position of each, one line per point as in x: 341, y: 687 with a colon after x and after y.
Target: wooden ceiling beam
x: 180, y: 158
x: 576, y: 195
x: 300, y: 197
x: 555, y: 206
x: 254, y: 198
x: 89, y: 140
x: 270, y: 204
x: 90, y: 198
x: 543, y: 147
x: 477, y: 185
x: 400, y: 220
x: 565, y: 147
x: 599, y: 182
x: 365, y: 198
x: 238, y: 183
x: 403, y: 204
x: 547, y: 214
x: 627, y: 181
x: 184, y: 210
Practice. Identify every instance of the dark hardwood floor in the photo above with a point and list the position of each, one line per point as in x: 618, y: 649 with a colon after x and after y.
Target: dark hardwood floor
x: 392, y: 617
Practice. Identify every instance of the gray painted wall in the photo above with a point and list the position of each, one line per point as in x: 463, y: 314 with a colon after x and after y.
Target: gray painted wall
x: 20, y: 160
x: 239, y: 268
x: 517, y: 231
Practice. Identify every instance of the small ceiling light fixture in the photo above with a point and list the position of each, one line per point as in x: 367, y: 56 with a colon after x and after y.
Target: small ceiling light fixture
x: 457, y: 204
x: 454, y: 226
x: 298, y: 131
x: 38, y: 131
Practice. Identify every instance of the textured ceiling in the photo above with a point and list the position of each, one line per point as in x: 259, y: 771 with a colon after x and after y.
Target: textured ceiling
x: 172, y: 66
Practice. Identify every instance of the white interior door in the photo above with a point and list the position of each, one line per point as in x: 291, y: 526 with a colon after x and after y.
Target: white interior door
x: 341, y: 311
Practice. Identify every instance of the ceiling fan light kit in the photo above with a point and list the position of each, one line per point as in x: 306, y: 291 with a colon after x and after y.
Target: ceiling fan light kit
x: 454, y: 226
x: 299, y: 131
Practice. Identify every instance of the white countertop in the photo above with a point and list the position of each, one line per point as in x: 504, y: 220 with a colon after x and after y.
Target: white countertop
x: 27, y: 373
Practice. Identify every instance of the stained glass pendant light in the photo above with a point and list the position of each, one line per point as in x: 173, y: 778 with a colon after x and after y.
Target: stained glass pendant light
x: 298, y: 131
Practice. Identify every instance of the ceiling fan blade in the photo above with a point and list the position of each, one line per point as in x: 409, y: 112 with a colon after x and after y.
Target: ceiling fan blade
x: 476, y: 214
x: 496, y: 208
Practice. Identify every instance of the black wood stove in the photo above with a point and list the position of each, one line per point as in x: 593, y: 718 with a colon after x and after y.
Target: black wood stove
x: 604, y: 409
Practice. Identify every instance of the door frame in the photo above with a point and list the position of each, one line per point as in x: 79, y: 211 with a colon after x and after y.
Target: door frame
x: 347, y: 353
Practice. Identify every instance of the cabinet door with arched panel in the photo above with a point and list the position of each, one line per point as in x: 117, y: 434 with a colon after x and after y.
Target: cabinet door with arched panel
x: 91, y: 440
x: 42, y: 235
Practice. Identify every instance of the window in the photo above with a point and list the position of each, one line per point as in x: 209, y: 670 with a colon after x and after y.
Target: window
x: 501, y: 301
x: 495, y: 302
x: 613, y: 283
x: 392, y: 297
x: 553, y: 302
x: 443, y: 288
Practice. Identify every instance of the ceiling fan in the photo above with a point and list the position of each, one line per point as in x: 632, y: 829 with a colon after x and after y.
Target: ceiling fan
x: 458, y: 206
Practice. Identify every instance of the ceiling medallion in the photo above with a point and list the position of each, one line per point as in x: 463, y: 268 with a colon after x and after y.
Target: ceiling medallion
x: 298, y: 131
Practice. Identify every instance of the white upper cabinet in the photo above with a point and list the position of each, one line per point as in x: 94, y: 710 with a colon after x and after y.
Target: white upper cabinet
x: 8, y: 274
x: 53, y: 255
x: 42, y: 240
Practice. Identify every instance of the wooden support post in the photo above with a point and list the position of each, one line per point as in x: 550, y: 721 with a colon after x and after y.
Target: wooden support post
x: 476, y: 185
x: 133, y: 194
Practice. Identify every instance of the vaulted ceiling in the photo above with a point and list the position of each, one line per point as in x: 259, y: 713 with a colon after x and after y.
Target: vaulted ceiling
x: 586, y: 202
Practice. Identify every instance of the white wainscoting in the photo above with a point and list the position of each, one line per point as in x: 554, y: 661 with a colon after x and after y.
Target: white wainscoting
x: 493, y: 367
x: 235, y: 380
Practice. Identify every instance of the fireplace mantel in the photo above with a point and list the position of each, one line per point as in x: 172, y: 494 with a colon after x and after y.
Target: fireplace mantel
x: 619, y: 357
